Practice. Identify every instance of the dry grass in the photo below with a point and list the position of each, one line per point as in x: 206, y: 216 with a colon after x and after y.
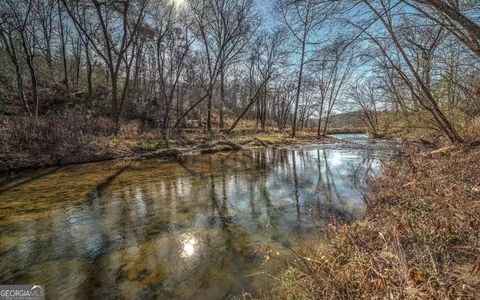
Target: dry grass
x: 56, y: 140
x: 420, y: 126
x: 472, y: 129
x: 420, y: 238
x: 52, y: 140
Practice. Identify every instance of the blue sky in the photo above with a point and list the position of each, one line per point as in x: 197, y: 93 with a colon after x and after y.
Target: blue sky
x: 266, y: 8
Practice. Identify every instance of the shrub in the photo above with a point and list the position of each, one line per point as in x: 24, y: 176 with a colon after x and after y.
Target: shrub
x: 102, y: 126
x: 130, y: 130
x: 44, y: 133
x: 146, y: 147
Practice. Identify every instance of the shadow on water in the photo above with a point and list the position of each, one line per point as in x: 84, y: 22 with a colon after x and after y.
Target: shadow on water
x: 182, y: 230
x: 102, y: 186
x: 5, y: 186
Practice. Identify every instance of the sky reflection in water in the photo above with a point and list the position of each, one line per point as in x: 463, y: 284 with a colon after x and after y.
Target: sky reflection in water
x: 188, y: 229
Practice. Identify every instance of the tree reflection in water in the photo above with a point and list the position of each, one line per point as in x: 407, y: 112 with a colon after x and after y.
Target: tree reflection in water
x: 187, y: 229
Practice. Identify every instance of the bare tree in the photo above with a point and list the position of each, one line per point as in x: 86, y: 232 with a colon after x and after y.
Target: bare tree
x: 7, y: 32
x: 264, y: 60
x: 111, y: 44
x: 223, y: 27
x: 366, y: 95
x: 19, y: 17
x: 302, y: 19
x: 173, y: 42
x: 423, y: 93
x: 43, y: 11
x: 450, y: 14
x: 333, y: 68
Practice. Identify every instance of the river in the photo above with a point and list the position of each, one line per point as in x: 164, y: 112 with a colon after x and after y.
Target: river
x: 199, y: 228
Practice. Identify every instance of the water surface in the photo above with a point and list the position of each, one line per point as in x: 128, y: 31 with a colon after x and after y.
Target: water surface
x: 200, y: 228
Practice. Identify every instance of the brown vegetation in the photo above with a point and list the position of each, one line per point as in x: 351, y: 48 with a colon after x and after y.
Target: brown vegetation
x: 95, y: 80
x: 49, y: 141
x: 419, y: 239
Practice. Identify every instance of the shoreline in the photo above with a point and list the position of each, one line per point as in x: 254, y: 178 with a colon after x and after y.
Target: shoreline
x: 414, y: 241
x: 213, y: 145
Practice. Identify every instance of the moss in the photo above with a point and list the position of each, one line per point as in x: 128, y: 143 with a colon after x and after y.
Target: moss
x: 146, y: 147
x: 272, y: 140
x: 454, y: 239
x: 420, y: 208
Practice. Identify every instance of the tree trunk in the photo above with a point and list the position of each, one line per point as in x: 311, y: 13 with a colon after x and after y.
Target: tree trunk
x: 431, y: 105
x: 209, y: 112
x: 31, y: 69
x: 115, y: 116
x: 89, y: 74
x: 222, y: 98
x: 63, y: 50
x: 320, y: 117
x: 299, y: 86
x: 467, y: 24
x: 264, y: 108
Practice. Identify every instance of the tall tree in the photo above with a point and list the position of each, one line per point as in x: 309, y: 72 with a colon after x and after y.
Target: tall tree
x: 111, y: 42
x: 302, y: 19
x: 410, y: 74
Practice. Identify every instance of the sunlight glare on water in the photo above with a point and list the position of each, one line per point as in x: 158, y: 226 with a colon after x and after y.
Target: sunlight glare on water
x: 189, y: 245
x: 190, y: 229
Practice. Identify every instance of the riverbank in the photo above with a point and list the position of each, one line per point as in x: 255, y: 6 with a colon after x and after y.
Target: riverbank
x: 144, y: 146
x: 203, y: 221
x: 419, y: 239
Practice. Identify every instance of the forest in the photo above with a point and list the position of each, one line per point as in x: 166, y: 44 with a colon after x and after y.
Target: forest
x: 76, y: 70
x: 86, y: 81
